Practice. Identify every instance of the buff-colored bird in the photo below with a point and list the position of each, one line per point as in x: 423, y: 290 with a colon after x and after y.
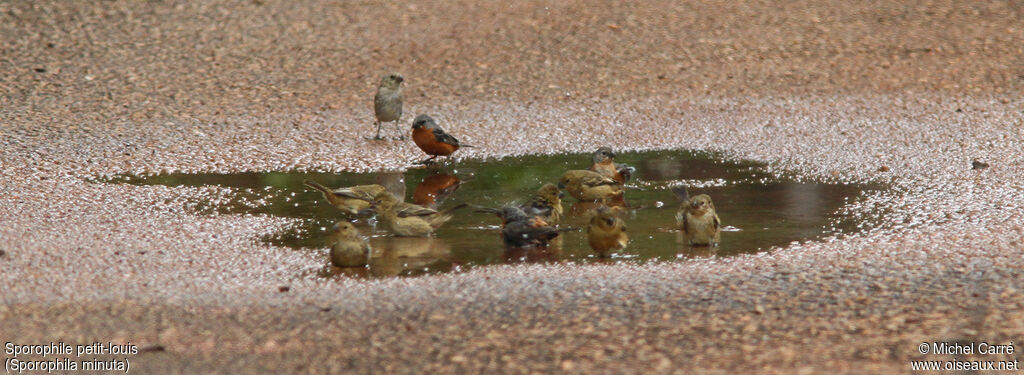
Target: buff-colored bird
x: 589, y: 185
x: 409, y: 220
x: 547, y: 204
x: 349, y: 200
x: 604, y: 163
x: 349, y: 248
x: 606, y: 232
x: 697, y: 219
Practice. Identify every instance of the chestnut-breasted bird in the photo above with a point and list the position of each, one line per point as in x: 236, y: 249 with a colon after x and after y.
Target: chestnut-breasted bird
x: 522, y: 230
x: 387, y: 104
x: 349, y: 248
x: 697, y: 219
x: 349, y: 200
x: 432, y: 140
x: 589, y: 185
x: 604, y: 163
x: 606, y: 232
x: 547, y: 204
x: 409, y: 220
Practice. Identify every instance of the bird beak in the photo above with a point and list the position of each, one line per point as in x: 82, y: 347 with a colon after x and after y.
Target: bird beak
x: 366, y: 211
x: 561, y: 186
x: 561, y: 194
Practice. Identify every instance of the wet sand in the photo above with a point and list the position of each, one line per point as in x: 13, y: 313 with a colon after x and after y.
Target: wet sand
x: 907, y: 95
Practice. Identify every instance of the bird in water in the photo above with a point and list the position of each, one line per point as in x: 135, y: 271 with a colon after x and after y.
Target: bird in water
x: 606, y: 232
x: 546, y: 204
x: 604, y: 163
x: 349, y: 200
x: 697, y: 219
x: 349, y: 248
x: 409, y: 220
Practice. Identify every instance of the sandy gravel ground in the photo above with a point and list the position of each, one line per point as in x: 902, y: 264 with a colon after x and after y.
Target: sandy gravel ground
x: 908, y: 94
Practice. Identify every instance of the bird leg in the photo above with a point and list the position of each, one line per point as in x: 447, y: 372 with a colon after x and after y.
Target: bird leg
x: 398, y: 128
x: 377, y: 137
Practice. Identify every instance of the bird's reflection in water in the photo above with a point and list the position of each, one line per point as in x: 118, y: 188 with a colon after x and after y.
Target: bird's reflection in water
x: 393, y: 256
x: 585, y: 209
x: 549, y: 253
x: 393, y: 182
x: 435, y: 188
x: 693, y: 251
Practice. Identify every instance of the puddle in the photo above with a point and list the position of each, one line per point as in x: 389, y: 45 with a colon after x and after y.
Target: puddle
x: 758, y: 211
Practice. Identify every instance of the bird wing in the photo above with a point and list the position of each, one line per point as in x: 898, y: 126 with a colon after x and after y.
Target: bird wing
x: 443, y: 137
x: 717, y: 223
x: 598, y: 180
x: 408, y: 209
x: 353, y: 194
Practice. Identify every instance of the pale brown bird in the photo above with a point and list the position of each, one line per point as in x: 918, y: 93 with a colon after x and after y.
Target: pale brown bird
x: 547, y: 204
x: 349, y: 248
x: 589, y: 185
x: 387, y: 104
x: 604, y: 163
x: 606, y: 232
x: 349, y: 200
x: 697, y: 219
x: 409, y: 220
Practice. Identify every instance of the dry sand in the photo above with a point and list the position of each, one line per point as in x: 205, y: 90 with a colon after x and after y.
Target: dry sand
x: 906, y: 94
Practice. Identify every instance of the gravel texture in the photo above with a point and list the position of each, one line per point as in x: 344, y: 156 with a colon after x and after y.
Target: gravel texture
x: 906, y: 94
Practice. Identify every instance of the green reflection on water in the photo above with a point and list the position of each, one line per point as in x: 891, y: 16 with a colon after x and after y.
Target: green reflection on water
x: 764, y: 211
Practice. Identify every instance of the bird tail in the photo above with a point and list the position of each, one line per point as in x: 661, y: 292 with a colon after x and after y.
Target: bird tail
x: 323, y: 189
x: 681, y: 193
x: 453, y: 208
x: 483, y: 209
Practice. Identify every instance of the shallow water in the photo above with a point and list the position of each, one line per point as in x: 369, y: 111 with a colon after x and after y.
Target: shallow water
x: 757, y: 210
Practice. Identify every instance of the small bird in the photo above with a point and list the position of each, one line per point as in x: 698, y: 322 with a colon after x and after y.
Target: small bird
x: 432, y: 140
x: 409, y: 220
x: 604, y: 163
x: 589, y: 185
x: 387, y: 104
x: 522, y: 230
x: 547, y: 204
x: 349, y: 200
x: 349, y: 248
x: 435, y: 189
x: 697, y: 218
x: 606, y: 232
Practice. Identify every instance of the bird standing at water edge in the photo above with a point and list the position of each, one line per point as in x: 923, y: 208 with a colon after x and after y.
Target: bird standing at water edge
x: 387, y: 104
x: 432, y: 139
